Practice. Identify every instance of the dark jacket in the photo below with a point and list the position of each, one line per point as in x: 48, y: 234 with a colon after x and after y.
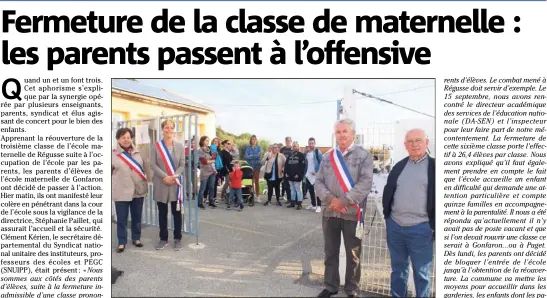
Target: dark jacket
x: 391, y: 185
x: 286, y: 151
x: 226, y: 158
x: 295, y: 166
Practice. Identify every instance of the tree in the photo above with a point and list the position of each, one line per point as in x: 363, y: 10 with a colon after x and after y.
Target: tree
x: 242, y: 141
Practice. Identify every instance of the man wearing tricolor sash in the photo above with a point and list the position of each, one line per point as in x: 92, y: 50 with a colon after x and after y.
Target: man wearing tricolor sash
x: 167, y: 162
x: 343, y: 182
x: 409, y: 210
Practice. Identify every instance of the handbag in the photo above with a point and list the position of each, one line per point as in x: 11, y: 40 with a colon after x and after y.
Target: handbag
x: 268, y: 176
x: 263, y: 169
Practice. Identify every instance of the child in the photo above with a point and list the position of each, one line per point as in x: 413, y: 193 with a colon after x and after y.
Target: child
x: 235, y: 186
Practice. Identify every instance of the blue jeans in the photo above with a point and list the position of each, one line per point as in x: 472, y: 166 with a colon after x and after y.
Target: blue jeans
x: 296, y: 191
x: 233, y: 193
x: 209, y: 185
x: 122, y: 212
x: 217, y: 178
x: 414, y: 243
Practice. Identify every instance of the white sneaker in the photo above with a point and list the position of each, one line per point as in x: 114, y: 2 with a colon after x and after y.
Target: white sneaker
x: 310, y: 207
x: 318, y: 209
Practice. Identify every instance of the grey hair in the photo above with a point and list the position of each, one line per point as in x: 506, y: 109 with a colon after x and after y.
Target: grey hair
x: 417, y: 130
x: 347, y: 121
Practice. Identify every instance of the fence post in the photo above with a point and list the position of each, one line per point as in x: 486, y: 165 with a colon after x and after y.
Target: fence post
x: 195, y: 167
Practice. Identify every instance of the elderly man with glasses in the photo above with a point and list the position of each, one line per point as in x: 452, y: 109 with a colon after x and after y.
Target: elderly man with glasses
x: 409, y: 210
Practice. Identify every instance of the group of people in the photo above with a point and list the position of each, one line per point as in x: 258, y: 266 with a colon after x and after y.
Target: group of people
x: 289, y: 172
x: 286, y: 170
x: 338, y: 181
x: 215, y: 165
x: 218, y: 165
x: 343, y: 183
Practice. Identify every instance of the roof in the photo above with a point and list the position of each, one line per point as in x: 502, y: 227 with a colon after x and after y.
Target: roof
x: 158, y: 93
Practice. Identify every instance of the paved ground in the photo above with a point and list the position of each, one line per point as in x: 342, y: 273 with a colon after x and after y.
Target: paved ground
x: 261, y: 251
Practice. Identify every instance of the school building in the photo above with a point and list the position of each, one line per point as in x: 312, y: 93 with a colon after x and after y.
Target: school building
x: 133, y: 100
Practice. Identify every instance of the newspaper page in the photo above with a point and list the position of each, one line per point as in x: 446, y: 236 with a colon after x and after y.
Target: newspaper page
x: 273, y: 148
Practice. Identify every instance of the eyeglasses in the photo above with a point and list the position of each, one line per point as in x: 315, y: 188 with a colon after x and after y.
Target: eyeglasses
x: 417, y: 141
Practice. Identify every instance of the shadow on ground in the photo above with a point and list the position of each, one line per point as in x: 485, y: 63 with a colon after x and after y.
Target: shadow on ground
x: 261, y: 251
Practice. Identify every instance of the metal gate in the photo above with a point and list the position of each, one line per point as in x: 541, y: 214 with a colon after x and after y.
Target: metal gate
x: 147, y: 132
x: 384, y: 140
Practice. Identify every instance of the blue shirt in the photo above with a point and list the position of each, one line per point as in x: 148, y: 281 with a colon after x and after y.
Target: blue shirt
x: 252, y: 156
x: 274, y: 170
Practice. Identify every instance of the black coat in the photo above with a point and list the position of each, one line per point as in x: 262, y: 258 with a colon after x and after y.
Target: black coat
x: 226, y: 158
x: 295, y: 166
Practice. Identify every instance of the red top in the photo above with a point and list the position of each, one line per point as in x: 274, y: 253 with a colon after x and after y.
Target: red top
x: 186, y: 150
x: 235, y: 178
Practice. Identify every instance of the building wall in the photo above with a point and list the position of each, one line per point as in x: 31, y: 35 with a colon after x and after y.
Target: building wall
x: 321, y: 149
x: 128, y: 109
x: 209, y: 130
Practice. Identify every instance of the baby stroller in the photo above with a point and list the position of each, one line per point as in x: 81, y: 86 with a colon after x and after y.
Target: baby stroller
x: 247, y: 189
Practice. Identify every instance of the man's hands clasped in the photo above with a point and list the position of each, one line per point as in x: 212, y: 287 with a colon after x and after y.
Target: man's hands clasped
x: 169, y: 180
x: 337, y: 206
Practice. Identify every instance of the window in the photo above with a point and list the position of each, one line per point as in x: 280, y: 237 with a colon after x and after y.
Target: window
x: 116, y: 117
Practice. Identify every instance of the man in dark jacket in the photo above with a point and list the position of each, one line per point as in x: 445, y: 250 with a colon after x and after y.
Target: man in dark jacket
x: 226, y: 158
x: 286, y: 150
x: 295, y: 169
x: 409, y: 210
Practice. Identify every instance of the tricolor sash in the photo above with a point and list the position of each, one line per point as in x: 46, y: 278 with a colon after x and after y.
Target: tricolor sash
x: 132, y: 164
x: 341, y: 170
x: 170, y: 167
x: 346, y: 182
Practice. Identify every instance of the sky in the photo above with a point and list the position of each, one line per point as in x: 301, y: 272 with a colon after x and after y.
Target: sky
x: 275, y: 108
